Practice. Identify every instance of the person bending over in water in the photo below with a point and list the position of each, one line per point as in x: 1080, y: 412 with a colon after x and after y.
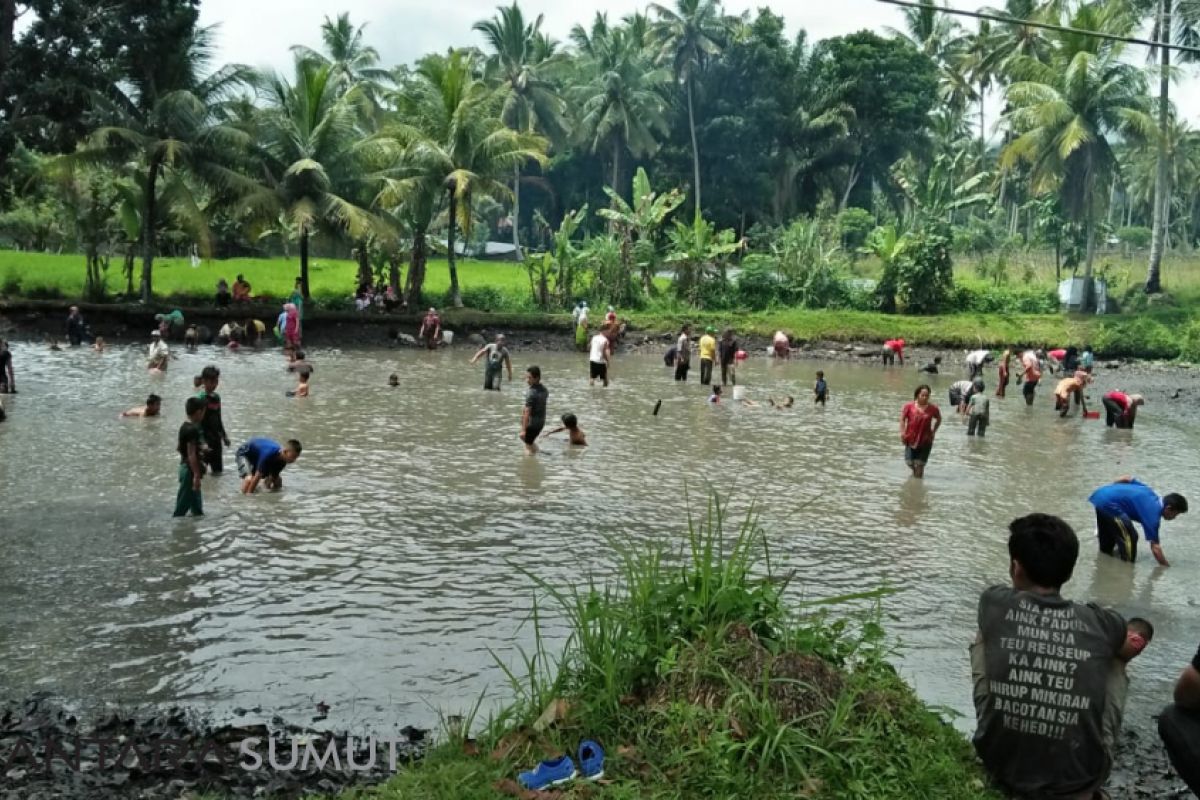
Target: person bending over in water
x: 780, y: 405
x: 263, y: 460
x: 1120, y: 409
x: 932, y: 367
x: 98, y: 345
x: 1138, y: 634
x: 151, y: 409
x: 570, y: 424
x: 1068, y: 388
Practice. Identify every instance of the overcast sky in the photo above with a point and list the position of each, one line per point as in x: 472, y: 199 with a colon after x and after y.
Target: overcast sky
x: 259, y: 32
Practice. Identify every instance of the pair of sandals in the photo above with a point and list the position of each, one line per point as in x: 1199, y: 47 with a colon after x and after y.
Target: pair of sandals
x: 557, y: 771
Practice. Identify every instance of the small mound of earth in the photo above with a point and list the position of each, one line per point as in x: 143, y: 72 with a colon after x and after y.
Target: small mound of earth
x: 800, y: 685
x: 46, y: 751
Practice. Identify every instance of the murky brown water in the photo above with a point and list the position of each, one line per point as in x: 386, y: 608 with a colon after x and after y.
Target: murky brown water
x: 382, y: 579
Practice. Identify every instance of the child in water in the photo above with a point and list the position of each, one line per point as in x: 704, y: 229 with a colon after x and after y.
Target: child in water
x: 98, y: 345
x: 780, y: 405
x: 151, y: 409
x: 570, y: 424
x: 302, y: 388
x: 394, y: 380
x: 820, y: 390
x: 716, y: 395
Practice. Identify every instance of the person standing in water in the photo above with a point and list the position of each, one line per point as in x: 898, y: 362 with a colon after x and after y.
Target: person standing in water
x: 76, y: 327
x: 431, y: 329
x: 919, y: 423
x: 497, y: 359
x: 158, y: 356
x: 683, y: 353
x: 533, y: 417
x: 188, y: 499
x: 727, y: 351
x: 1032, y: 367
x: 1002, y: 372
x: 8, y: 381
x: 213, y: 426
x: 581, y: 326
x: 708, y: 355
x: 599, y: 359
x: 820, y: 389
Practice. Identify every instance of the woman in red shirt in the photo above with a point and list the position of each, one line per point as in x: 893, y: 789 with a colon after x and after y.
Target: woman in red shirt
x: 919, y: 423
x: 1121, y: 409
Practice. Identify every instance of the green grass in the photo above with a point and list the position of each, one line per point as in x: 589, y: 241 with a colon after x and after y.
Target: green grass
x: 329, y: 279
x: 701, y: 681
x: 1166, y: 330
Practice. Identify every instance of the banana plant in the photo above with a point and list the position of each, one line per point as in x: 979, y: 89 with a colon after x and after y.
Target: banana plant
x: 699, y: 252
x: 639, y: 223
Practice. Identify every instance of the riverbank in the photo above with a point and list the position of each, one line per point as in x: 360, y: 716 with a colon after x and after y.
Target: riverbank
x: 1163, y: 335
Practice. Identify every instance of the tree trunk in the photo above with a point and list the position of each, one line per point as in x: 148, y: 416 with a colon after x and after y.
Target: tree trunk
x: 364, y: 265
x: 1162, y: 178
x: 394, y: 273
x: 455, y: 295
x: 8, y: 20
x: 616, y: 165
x: 416, y: 270
x: 149, y: 238
x: 304, y: 261
x: 982, y: 129
x: 695, y: 148
x: 851, y: 181
x: 516, y: 214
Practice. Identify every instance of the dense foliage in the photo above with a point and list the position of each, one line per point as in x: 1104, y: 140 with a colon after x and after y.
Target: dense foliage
x: 119, y: 137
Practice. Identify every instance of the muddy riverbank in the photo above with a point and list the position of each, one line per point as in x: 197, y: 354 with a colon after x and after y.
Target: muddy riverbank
x: 49, y: 750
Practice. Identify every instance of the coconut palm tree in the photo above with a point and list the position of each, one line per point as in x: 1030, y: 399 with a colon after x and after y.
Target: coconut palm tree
x: 451, y: 142
x: 521, y: 64
x: 619, y: 101
x: 1175, y: 22
x: 1065, y: 114
x: 687, y: 36
x: 929, y: 28
x: 166, y: 131
x: 313, y: 156
x: 352, y: 62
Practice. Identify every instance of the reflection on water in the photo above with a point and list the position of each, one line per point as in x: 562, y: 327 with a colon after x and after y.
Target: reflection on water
x: 387, y: 573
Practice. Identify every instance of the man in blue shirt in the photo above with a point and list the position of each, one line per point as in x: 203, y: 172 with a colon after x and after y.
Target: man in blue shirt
x: 264, y: 459
x: 1120, y: 504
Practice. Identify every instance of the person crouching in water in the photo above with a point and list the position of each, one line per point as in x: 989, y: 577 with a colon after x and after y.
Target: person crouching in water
x: 263, y: 460
x: 570, y: 424
x: 978, y: 409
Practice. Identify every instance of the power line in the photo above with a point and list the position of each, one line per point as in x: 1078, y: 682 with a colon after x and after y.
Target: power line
x: 1044, y: 25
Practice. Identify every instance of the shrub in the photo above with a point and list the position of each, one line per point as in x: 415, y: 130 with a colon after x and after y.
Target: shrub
x: 1136, y: 236
x: 1190, y: 342
x: 924, y: 272
x: 757, y: 283
x: 1141, y: 337
x: 11, y: 287
x: 854, y: 225
x: 986, y: 299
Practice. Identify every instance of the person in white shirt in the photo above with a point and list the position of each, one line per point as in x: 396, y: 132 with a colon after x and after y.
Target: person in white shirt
x: 158, y: 354
x: 683, y: 353
x: 599, y: 359
x: 975, y: 362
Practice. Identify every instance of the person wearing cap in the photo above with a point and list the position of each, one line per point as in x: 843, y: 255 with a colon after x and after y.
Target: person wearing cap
x: 708, y: 354
x: 1120, y: 409
x: 158, y: 354
x: 1124, y: 502
x: 497, y: 359
x: 431, y: 329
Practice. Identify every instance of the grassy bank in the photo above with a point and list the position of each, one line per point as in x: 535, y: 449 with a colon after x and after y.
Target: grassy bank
x: 497, y: 295
x: 699, y: 680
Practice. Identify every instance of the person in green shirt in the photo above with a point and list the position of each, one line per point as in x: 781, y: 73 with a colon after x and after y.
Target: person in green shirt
x: 297, y: 297
x: 213, y: 427
x: 190, y: 435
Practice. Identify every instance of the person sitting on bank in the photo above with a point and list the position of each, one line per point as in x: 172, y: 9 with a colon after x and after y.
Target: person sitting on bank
x: 241, y: 290
x: 1125, y: 501
x: 1120, y: 409
x: 224, y: 298
x: 1138, y: 634
x: 152, y: 408
x: 1179, y: 726
x: 263, y: 460
x: 1031, y: 745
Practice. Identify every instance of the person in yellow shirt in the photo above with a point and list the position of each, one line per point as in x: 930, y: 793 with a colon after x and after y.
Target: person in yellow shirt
x: 708, y: 354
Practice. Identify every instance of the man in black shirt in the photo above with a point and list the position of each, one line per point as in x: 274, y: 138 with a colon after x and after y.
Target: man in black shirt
x: 76, y: 327
x: 1179, y: 726
x: 8, y: 382
x: 190, y: 435
x: 727, y: 350
x: 533, y: 418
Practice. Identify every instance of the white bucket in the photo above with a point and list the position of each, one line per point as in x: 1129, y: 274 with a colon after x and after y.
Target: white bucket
x: 447, y: 337
x: 739, y: 392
